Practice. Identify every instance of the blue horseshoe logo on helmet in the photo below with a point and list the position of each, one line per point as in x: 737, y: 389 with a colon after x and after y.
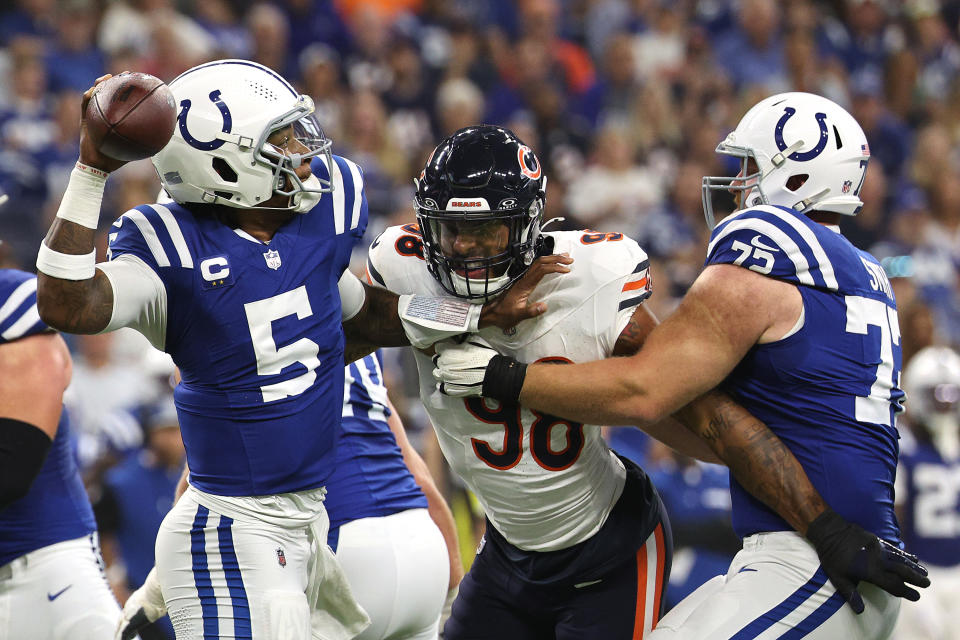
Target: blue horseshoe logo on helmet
x: 796, y: 155
x: 199, y: 144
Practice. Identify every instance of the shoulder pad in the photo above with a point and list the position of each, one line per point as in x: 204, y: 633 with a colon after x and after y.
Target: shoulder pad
x: 394, y: 252
x: 19, y: 317
x: 776, y: 242
x: 153, y: 233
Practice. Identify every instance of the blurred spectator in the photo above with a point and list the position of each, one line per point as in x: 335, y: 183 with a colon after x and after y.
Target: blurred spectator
x: 270, y: 36
x: 102, y: 394
x: 863, y: 35
x: 888, y: 135
x: 220, y: 20
x: 320, y: 79
x: 73, y: 61
x: 614, y: 192
x: 928, y: 494
x: 170, y: 41
x: 28, y: 18
x: 752, y: 52
x: 459, y: 104
x: 135, y: 497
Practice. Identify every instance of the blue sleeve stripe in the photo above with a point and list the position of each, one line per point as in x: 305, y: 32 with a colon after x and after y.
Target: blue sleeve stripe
x: 643, y: 265
x: 26, y: 289
x: 826, y: 267
x: 150, y: 236
x: 357, y: 189
x: 176, y: 235
x: 789, y: 247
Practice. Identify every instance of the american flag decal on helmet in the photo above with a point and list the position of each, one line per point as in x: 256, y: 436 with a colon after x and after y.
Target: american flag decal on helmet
x: 865, y: 149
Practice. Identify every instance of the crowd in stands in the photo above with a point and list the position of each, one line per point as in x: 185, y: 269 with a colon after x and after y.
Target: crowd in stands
x: 623, y: 100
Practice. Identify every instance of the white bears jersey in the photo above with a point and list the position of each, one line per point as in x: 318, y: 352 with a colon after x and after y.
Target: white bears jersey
x: 545, y: 483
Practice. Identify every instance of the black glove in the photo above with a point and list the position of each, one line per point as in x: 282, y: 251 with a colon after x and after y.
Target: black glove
x: 849, y: 554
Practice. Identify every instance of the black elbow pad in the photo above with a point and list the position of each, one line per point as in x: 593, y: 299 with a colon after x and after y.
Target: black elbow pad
x: 23, y: 448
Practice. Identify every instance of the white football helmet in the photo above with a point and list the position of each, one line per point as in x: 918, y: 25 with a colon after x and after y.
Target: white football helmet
x: 801, y: 136
x: 932, y: 383
x: 219, y: 151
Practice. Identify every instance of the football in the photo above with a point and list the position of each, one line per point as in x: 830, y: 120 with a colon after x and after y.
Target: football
x: 131, y: 116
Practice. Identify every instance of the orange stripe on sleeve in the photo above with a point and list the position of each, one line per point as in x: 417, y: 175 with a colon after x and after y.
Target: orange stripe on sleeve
x: 369, y: 279
x: 637, y: 284
x: 638, y: 625
x: 661, y: 561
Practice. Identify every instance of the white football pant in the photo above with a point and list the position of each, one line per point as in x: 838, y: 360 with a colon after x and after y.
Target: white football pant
x: 58, y: 592
x: 775, y: 588
x: 250, y: 568
x: 398, y: 569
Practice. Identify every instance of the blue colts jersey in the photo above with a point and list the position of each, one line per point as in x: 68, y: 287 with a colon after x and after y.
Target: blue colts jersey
x: 929, y: 488
x: 829, y: 390
x: 371, y: 478
x: 256, y: 331
x: 56, y: 508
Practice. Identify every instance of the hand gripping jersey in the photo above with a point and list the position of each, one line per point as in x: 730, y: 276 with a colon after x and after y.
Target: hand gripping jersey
x: 928, y: 487
x: 256, y: 332
x: 545, y: 483
x: 371, y: 478
x: 56, y: 508
x: 829, y: 390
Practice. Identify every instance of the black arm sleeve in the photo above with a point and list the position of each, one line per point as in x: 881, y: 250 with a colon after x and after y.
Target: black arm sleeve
x: 23, y: 448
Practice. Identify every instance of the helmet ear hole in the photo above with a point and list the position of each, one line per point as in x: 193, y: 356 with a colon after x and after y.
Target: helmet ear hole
x: 796, y: 181
x: 224, y: 170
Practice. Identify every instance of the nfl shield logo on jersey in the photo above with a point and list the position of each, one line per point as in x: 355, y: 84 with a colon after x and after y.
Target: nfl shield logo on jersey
x: 273, y: 259
x: 281, y: 559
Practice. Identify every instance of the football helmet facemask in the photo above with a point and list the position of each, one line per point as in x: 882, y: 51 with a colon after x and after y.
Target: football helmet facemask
x: 219, y: 152
x: 479, y: 202
x: 807, y: 153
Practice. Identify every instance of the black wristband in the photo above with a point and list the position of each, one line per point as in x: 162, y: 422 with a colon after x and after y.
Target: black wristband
x: 503, y: 379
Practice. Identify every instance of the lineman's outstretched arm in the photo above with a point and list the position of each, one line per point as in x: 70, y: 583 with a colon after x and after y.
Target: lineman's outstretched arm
x: 374, y: 317
x: 726, y: 312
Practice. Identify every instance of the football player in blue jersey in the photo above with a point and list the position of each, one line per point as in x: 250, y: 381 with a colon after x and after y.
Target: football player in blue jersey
x: 928, y: 490
x: 801, y: 328
x: 243, y: 280
x: 52, y: 585
x: 389, y: 525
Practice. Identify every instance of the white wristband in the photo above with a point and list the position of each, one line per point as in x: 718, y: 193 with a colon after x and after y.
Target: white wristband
x: 81, y: 201
x: 66, y: 266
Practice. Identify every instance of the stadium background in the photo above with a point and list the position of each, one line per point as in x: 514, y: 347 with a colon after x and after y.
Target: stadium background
x: 624, y: 101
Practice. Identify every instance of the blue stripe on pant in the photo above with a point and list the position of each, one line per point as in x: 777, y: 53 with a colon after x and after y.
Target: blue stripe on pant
x: 790, y: 604
x: 231, y: 567
x: 201, y: 575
